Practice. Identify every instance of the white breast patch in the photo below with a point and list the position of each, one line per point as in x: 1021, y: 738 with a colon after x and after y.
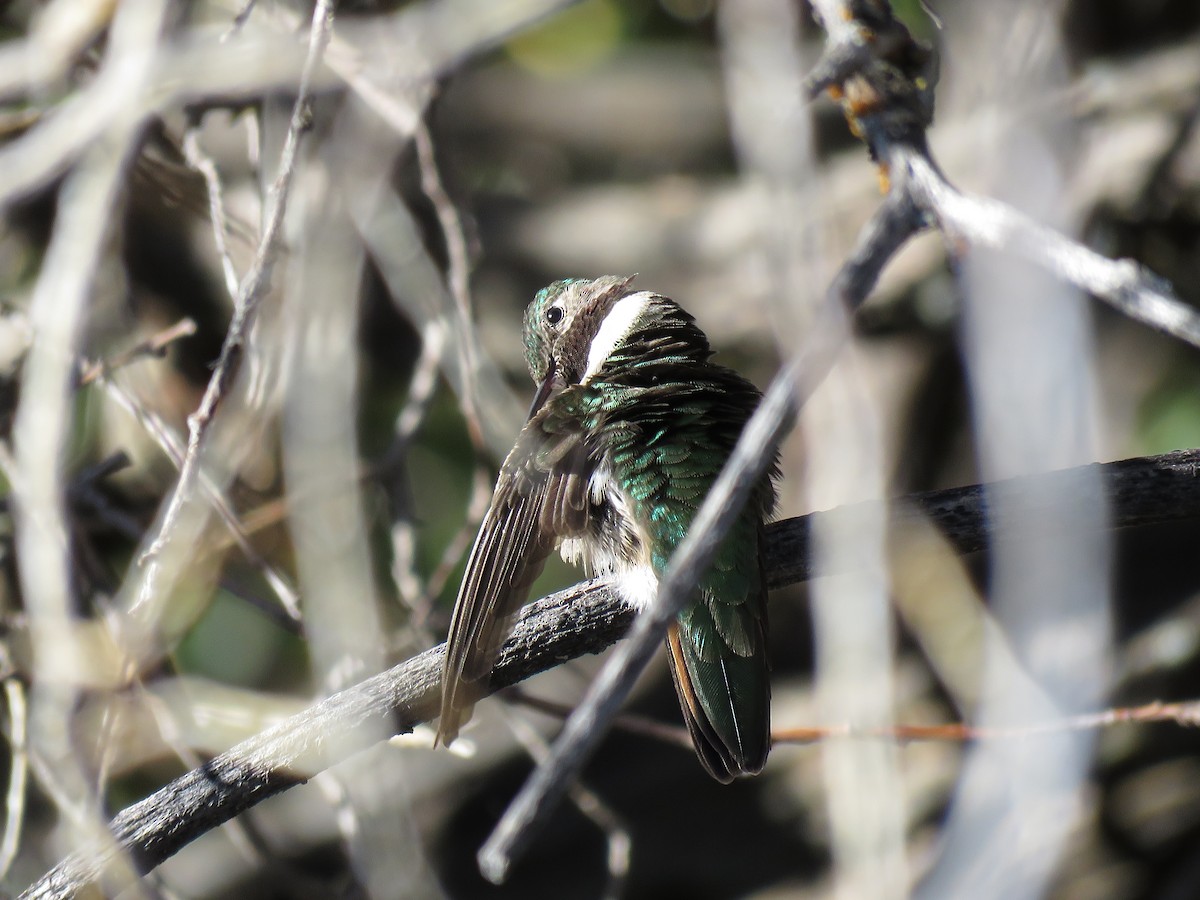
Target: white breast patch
x: 614, y: 329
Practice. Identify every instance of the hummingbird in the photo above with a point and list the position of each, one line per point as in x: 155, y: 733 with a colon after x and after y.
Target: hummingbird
x: 629, y: 428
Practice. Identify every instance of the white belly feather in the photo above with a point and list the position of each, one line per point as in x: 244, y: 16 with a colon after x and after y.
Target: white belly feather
x: 609, y: 555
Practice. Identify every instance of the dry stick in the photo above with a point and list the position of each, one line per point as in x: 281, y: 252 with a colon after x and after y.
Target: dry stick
x: 561, y: 627
x: 153, y: 346
x: 891, y: 226
x: 983, y: 222
x: 203, y: 163
x: 586, y: 618
x: 253, y: 288
x: 1186, y: 713
x: 241, y: 832
x: 630, y: 723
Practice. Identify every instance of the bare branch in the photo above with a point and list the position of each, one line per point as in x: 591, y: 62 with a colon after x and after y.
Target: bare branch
x: 586, y: 618
x: 153, y: 346
x: 982, y: 222
x: 549, y: 631
x: 202, y: 163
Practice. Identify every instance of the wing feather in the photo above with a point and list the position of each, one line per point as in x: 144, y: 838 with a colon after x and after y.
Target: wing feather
x: 540, y: 497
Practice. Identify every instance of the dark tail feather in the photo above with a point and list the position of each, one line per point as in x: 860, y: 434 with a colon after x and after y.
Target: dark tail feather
x: 726, y: 705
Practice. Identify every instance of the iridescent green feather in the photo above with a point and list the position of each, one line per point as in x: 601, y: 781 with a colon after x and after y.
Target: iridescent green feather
x: 679, y: 419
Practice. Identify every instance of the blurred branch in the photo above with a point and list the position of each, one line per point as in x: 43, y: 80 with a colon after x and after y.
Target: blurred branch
x: 286, y: 612
x: 153, y: 346
x: 608, y: 821
x: 86, y: 204
x: 203, y: 163
x: 630, y: 723
x: 253, y: 287
x: 198, y: 67
x: 586, y: 618
x: 18, y: 774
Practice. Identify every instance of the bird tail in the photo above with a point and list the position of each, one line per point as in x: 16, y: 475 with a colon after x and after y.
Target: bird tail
x: 725, y: 696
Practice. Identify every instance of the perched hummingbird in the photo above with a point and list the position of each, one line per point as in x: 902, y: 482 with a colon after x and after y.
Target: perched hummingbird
x: 630, y: 426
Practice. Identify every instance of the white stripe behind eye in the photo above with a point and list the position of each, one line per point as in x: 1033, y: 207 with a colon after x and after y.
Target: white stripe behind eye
x: 614, y: 329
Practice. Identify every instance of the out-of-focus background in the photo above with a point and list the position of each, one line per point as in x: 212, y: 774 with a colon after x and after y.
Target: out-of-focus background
x: 458, y: 156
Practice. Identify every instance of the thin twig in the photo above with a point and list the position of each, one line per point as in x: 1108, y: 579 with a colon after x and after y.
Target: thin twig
x: 1185, y: 713
x: 643, y: 726
x: 154, y: 346
x: 458, y: 275
x: 458, y: 279
x: 203, y: 163
x: 412, y: 415
x: 243, y: 15
x: 253, y: 288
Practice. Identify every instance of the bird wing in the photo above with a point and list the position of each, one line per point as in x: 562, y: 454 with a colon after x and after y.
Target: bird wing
x: 541, y: 495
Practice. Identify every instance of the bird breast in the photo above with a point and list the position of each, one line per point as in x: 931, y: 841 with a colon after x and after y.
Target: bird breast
x: 614, y: 544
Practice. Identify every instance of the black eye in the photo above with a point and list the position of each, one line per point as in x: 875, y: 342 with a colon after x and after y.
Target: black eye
x: 554, y: 315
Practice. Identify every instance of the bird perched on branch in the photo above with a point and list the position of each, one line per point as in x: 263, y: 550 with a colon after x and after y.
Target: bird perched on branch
x: 630, y: 426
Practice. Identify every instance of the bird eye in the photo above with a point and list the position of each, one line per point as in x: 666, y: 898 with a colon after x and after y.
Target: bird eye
x: 554, y: 315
